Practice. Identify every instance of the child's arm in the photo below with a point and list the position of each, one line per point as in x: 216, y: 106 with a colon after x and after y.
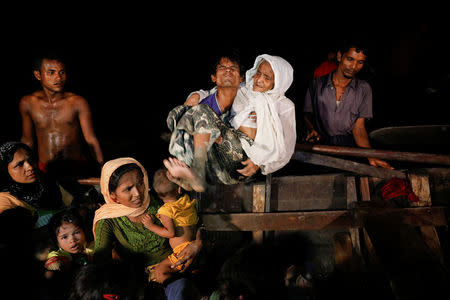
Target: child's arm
x: 167, y: 230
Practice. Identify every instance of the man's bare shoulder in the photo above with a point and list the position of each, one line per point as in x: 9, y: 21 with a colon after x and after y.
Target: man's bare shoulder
x: 30, y: 100
x: 32, y: 97
x: 75, y: 98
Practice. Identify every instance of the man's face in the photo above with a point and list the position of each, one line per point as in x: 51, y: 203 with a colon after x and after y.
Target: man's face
x: 52, y: 75
x: 351, y: 62
x: 227, y: 74
x: 264, y: 78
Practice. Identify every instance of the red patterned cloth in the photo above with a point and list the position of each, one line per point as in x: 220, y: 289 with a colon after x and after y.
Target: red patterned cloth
x: 395, y: 188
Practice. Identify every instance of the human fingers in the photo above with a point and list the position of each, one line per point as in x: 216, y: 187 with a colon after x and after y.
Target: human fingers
x: 192, y: 100
x: 245, y: 171
x: 167, y: 163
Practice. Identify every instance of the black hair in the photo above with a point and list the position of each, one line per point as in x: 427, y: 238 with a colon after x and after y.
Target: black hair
x: 68, y: 215
x: 119, y: 172
x: 162, y: 185
x: 360, y: 46
x: 95, y: 281
x: 233, y: 55
x: 51, y: 55
x: 7, y: 151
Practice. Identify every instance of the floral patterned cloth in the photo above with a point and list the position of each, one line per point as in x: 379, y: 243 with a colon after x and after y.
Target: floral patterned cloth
x: 222, y: 159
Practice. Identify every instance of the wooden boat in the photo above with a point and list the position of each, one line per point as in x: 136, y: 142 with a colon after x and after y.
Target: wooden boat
x: 390, y: 240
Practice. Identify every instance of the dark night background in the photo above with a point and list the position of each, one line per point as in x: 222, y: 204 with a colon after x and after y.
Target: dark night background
x: 133, y: 72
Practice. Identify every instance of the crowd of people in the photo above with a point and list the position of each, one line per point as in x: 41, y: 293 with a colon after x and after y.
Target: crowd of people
x: 134, y: 240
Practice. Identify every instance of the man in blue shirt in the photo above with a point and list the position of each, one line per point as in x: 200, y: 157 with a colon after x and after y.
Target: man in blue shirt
x: 337, y: 105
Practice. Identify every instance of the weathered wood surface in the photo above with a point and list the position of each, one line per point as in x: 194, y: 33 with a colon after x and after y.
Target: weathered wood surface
x: 375, y: 153
x: 315, y: 192
x: 258, y: 206
x: 346, y: 165
x: 323, y: 220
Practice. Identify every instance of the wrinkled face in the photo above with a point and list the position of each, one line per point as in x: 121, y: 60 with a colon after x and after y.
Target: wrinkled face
x: 21, y: 168
x: 52, y: 75
x: 351, y: 62
x: 264, y: 79
x: 227, y: 74
x: 71, y: 238
x: 130, y: 190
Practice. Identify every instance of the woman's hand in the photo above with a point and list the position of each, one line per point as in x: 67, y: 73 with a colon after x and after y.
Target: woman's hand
x: 192, y: 100
x: 189, y: 253
x: 249, y: 169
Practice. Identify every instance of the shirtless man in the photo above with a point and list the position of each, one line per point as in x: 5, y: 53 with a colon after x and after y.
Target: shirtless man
x: 57, y: 118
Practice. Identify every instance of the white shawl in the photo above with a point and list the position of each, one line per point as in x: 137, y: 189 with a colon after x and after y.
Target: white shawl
x: 269, y: 145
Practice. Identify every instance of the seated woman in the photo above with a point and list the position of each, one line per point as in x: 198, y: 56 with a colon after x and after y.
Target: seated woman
x: 23, y: 186
x: 264, y: 116
x: 27, y: 200
x: 118, y: 224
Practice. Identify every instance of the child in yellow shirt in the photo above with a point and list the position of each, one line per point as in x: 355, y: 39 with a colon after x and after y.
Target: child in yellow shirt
x: 178, y: 217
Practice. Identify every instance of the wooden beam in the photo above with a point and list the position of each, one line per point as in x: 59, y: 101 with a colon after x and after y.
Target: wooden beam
x: 258, y: 205
x: 278, y: 221
x: 352, y: 200
x: 381, y: 154
x: 347, y: 165
x: 89, y: 181
x: 323, y: 220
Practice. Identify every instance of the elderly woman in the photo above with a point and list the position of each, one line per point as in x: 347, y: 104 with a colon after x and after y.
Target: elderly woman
x: 263, y: 135
x: 23, y: 186
x: 118, y: 228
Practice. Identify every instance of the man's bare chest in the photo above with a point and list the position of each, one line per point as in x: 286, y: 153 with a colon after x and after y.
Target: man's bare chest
x: 53, y: 114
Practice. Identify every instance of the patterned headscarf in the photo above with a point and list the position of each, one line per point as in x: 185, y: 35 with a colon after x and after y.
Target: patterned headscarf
x: 39, y: 194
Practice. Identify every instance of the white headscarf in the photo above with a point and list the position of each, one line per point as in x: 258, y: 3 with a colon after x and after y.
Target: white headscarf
x: 269, y: 143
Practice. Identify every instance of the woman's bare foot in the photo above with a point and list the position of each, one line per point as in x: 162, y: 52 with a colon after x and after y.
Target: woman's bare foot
x: 185, y: 185
x: 183, y: 175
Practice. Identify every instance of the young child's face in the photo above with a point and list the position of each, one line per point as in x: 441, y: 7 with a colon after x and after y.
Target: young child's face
x: 71, y: 238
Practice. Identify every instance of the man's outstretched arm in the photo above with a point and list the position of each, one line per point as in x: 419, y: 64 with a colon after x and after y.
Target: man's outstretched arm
x: 85, y: 118
x: 27, y: 122
x: 362, y: 140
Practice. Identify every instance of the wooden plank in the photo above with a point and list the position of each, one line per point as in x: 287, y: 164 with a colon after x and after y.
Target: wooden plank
x: 268, y: 196
x: 401, y: 251
x: 364, y: 188
x: 89, y: 181
x: 315, y: 192
x: 346, y: 165
x: 421, y: 187
x: 323, y: 220
x: 258, y: 206
x: 259, y: 198
x: 278, y: 221
x: 431, y: 238
x: 375, y: 153
x: 352, y: 199
x: 351, y: 195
